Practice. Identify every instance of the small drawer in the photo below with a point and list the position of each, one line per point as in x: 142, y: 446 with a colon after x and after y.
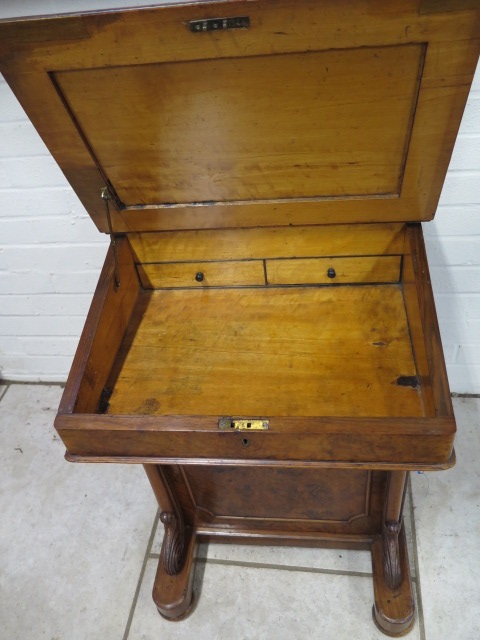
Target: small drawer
x: 334, y: 270
x: 202, y: 274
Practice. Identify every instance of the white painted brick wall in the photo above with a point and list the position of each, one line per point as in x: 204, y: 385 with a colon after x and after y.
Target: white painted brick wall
x: 51, y: 253
x: 453, y: 247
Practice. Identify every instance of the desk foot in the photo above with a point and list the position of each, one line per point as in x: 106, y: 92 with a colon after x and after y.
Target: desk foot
x: 173, y: 594
x: 394, y: 607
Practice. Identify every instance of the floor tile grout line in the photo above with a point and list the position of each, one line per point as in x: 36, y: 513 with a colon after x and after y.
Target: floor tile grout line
x: 421, y: 619
x: 140, y: 577
x: 34, y: 383
x: 276, y: 567
x: 465, y: 395
x: 286, y: 567
x: 3, y: 393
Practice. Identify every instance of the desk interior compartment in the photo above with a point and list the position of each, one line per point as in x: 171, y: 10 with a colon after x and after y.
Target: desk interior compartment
x: 341, y: 367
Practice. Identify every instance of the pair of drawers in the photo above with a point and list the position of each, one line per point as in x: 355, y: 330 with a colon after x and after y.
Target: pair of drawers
x: 290, y: 271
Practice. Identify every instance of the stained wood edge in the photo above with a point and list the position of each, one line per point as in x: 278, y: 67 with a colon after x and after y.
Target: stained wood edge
x: 105, y: 301
x: 415, y: 251
x: 434, y: 426
x: 222, y: 216
x: 84, y: 347
x: 290, y: 464
x: 415, y: 443
x: 323, y: 540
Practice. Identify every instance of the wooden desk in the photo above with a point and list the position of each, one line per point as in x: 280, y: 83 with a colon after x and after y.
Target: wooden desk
x: 263, y: 336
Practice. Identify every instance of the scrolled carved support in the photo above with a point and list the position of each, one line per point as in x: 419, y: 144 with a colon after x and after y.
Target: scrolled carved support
x: 173, y: 543
x: 391, y: 554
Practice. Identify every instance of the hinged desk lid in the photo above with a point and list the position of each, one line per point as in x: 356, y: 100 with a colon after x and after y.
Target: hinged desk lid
x: 250, y: 113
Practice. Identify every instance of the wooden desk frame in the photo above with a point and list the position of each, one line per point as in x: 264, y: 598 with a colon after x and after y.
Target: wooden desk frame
x: 263, y: 182
x: 187, y: 458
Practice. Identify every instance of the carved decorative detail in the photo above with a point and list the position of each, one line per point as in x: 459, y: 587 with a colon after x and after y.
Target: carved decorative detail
x: 391, y: 555
x: 173, y: 543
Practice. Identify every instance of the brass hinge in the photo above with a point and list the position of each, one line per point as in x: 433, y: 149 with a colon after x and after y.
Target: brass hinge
x: 105, y: 195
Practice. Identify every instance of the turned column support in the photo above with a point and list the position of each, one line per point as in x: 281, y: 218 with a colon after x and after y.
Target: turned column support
x: 173, y: 548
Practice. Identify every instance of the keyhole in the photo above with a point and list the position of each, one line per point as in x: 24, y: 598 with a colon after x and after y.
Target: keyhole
x: 245, y: 442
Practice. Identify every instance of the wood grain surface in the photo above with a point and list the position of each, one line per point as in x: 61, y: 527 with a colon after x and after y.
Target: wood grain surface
x: 320, y: 112
x: 237, y: 162
x: 334, y: 270
x: 301, y: 351
x: 213, y: 274
x: 206, y: 131
x: 276, y: 242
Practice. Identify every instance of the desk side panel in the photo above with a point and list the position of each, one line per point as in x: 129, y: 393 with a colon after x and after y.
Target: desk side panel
x: 424, y: 330
x: 107, y: 320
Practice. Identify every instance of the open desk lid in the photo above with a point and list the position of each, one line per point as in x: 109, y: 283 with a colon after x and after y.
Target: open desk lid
x: 250, y: 113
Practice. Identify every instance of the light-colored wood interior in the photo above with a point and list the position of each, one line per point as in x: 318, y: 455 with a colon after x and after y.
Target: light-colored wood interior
x: 294, y: 125
x: 269, y: 256
x: 252, y: 337
x: 287, y: 271
x: 342, y: 270
x: 300, y: 351
x: 264, y: 243
x: 213, y: 274
x: 320, y: 112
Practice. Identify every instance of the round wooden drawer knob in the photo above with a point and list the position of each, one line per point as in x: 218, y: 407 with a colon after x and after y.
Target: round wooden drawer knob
x: 331, y: 273
x: 199, y: 277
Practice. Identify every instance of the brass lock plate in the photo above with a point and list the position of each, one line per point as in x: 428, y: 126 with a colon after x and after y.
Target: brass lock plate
x: 243, y: 424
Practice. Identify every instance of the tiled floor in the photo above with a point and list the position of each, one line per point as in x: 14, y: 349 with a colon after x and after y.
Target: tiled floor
x: 79, y: 546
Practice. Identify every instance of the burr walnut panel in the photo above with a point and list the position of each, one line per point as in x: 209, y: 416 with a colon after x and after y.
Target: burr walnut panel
x: 296, y: 494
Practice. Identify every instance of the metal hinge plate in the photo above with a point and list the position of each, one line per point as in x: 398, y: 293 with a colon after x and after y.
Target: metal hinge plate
x: 219, y: 24
x: 105, y: 195
x: 243, y: 424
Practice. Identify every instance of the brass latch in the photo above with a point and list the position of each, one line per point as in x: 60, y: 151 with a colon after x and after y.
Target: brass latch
x: 243, y: 424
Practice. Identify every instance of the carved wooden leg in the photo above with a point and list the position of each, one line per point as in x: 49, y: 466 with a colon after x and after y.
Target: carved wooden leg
x: 394, y: 608
x: 172, y: 591
x: 173, y: 594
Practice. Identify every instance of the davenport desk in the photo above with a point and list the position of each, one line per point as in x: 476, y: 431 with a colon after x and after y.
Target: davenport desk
x: 263, y: 336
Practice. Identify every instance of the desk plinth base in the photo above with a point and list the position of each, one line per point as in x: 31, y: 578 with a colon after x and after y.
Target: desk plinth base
x: 379, y: 527
x: 393, y: 609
